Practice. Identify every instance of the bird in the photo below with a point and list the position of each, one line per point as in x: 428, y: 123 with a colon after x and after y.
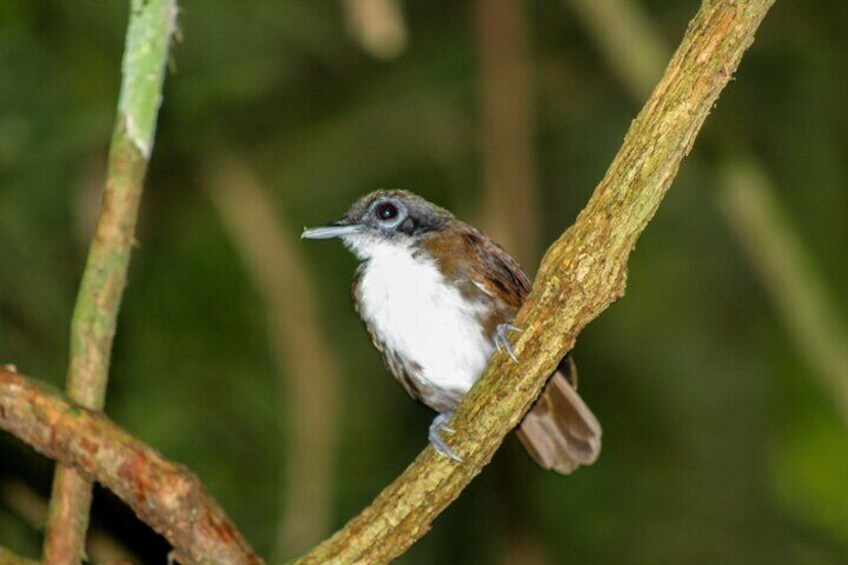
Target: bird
x: 438, y: 299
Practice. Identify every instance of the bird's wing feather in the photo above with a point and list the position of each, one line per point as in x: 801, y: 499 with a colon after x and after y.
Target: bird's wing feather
x: 499, y: 273
x: 479, y: 266
x: 560, y: 432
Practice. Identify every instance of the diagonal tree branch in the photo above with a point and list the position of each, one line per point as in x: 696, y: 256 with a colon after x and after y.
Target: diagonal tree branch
x: 151, y: 26
x: 167, y: 496
x: 581, y: 275
x: 635, y: 51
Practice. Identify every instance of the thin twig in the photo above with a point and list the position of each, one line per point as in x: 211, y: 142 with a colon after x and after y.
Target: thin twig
x: 167, y: 496
x: 749, y: 201
x: 151, y: 26
x: 580, y: 276
x: 309, y: 372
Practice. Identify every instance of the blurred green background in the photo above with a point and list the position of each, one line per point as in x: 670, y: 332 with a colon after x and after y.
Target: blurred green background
x: 718, y: 378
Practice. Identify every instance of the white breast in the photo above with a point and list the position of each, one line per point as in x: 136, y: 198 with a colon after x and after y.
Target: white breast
x: 422, y: 319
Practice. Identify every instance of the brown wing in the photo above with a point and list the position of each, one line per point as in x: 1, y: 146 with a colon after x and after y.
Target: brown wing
x: 481, y: 269
x: 499, y: 273
x: 559, y: 431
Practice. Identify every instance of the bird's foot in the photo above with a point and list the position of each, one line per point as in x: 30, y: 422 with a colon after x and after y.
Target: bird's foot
x: 502, y: 342
x: 439, y: 425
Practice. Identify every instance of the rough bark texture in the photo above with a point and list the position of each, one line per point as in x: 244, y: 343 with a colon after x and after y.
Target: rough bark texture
x: 580, y: 276
x: 167, y: 496
x: 635, y: 51
x: 96, y: 311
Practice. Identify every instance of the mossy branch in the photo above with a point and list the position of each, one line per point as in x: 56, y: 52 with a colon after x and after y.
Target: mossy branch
x: 167, y: 496
x: 749, y: 200
x: 581, y: 275
x: 151, y: 26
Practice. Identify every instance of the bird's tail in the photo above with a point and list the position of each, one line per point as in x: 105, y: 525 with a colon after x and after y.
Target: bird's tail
x: 560, y: 432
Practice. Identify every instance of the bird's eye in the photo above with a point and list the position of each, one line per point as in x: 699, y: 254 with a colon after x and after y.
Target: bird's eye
x: 386, y: 211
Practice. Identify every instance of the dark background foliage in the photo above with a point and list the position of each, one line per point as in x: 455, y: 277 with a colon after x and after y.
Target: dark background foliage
x: 721, y: 442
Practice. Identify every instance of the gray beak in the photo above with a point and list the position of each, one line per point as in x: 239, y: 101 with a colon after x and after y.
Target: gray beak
x: 336, y: 229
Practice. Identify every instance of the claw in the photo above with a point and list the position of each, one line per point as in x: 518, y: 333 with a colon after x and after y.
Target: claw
x: 501, y: 341
x: 440, y: 425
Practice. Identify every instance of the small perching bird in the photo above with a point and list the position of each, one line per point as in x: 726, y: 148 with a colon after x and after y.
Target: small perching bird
x: 437, y: 298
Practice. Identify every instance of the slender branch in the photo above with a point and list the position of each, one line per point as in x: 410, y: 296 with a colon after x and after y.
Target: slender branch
x: 635, y: 50
x: 151, y: 26
x: 167, y: 496
x: 310, y: 389
x: 580, y: 276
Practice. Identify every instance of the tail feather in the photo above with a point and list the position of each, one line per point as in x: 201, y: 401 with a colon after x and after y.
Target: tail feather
x: 560, y: 432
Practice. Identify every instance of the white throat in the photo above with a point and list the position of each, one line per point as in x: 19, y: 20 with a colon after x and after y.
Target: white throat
x: 421, y: 318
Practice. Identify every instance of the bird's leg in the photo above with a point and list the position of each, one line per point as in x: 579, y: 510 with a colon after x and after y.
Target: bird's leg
x: 439, y: 425
x: 502, y: 342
